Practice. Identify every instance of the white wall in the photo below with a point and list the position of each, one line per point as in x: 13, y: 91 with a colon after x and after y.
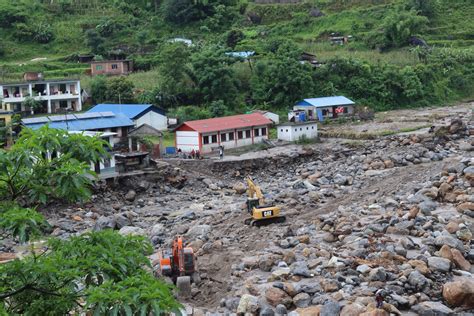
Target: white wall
x: 156, y: 120
x: 187, y: 141
x: 272, y: 116
x: 294, y: 132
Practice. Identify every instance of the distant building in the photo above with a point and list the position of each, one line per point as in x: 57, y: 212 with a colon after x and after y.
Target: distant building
x: 230, y: 132
x: 293, y: 131
x: 54, y: 96
x: 139, y: 113
x: 111, y: 67
x: 321, y: 109
x: 275, y: 118
x: 108, y: 122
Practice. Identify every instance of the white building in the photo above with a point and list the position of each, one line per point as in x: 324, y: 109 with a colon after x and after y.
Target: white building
x: 230, y: 132
x: 275, y: 118
x: 292, y: 131
x: 139, y: 113
x: 55, y: 96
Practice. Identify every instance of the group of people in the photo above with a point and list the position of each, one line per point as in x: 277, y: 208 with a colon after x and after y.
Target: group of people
x: 194, y: 154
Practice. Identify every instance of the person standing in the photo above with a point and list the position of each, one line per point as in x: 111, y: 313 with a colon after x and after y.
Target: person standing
x: 221, y: 152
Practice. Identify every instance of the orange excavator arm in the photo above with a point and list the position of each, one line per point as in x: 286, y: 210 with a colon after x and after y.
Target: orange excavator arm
x: 178, y: 253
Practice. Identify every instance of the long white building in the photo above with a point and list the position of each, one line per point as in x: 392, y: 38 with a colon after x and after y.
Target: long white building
x: 54, y: 96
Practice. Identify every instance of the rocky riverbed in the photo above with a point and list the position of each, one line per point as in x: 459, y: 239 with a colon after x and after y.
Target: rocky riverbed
x: 393, y: 216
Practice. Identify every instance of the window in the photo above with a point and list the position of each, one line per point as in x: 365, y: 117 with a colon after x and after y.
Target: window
x: 205, y: 140
x: 98, y: 67
x: 287, y: 131
x: 346, y: 110
x: 256, y: 132
x: 214, y: 139
x: 114, y: 130
x: 312, y: 127
x: 281, y: 130
x: 301, y: 129
x: 247, y: 134
x: 114, y: 66
x: 3, y: 122
x: 264, y: 131
x: 231, y: 136
x: 296, y: 129
x: 240, y: 134
x: 307, y: 128
x: 223, y: 137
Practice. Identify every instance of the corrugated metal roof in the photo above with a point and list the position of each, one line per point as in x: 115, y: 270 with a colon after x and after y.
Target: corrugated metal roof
x: 129, y: 110
x: 228, y: 122
x: 244, y: 55
x: 75, y: 123
x: 326, y: 101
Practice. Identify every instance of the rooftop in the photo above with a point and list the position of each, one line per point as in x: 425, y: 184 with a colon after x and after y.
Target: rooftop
x: 131, y: 111
x: 110, y: 61
x: 39, y: 81
x: 79, y: 122
x: 228, y: 122
x: 326, y: 101
x: 298, y: 123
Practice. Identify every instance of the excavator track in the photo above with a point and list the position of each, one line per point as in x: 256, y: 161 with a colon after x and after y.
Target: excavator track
x: 264, y: 222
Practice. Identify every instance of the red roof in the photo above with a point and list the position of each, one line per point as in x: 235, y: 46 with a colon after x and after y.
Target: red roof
x: 227, y: 122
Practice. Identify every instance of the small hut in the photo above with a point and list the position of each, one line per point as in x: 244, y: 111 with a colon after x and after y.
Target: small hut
x: 139, y: 140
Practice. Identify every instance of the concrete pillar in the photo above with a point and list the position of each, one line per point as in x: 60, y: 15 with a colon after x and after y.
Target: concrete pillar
x: 47, y: 89
x: 79, y: 103
x: 49, y: 106
x: 130, y: 144
x: 30, y: 90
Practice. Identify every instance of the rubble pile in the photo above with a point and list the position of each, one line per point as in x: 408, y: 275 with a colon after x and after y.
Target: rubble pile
x: 373, y: 228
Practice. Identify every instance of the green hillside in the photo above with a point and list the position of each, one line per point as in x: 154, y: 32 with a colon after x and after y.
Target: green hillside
x: 377, y: 66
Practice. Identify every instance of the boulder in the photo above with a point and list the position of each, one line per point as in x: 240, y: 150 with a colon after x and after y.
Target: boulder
x: 131, y: 230
x: 329, y: 285
x: 302, y: 300
x: 130, y: 196
x: 198, y: 231
x: 239, y: 188
x: 377, y: 274
x: 309, y: 311
x: 445, y: 252
x: 420, y: 266
x: 459, y: 260
x: 459, y: 293
x: 450, y: 241
x: 330, y: 308
x: 429, y: 308
x: 352, y: 310
x: 104, y: 222
x: 375, y: 312
x: 418, y: 280
x: 439, y: 264
x: 266, y: 311
x: 277, y: 296
x: 300, y: 268
x: 248, y: 305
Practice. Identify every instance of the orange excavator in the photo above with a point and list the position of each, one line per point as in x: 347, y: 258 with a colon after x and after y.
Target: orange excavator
x: 179, y: 264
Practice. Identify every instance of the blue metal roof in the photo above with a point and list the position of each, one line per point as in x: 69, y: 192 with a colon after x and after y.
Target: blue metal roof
x: 244, y: 55
x: 131, y: 111
x: 326, y: 101
x: 74, y: 123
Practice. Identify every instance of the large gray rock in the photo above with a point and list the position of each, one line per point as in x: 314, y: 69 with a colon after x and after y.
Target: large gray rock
x: 439, y: 264
x: 130, y: 196
x: 122, y: 221
x: 432, y: 309
x: 450, y: 241
x: 198, y: 231
x: 302, y: 300
x: 248, y: 304
x: 330, y: 308
x: 418, y: 280
x: 377, y: 274
x: 300, y: 268
x: 131, y: 230
x: 427, y: 206
x: 267, y: 311
x: 104, y: 222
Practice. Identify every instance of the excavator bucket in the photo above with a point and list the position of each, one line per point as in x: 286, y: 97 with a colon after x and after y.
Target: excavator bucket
x: 183, y: 283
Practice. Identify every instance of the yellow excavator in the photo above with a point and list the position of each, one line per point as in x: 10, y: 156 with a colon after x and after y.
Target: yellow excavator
x: 261, y: 213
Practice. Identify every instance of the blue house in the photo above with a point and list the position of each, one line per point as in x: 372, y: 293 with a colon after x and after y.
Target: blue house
x: 322, y: 108
x: 139, y: 113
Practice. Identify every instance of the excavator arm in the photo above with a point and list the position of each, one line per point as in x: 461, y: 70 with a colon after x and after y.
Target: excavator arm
x: 254, y: 191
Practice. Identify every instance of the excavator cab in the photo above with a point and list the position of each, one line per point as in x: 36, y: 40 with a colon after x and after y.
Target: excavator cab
x: 262, y: 214
x: 179, y: 264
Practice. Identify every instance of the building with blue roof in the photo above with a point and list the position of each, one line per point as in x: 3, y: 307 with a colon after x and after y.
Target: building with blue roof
x: 139, y: 113
x: 99, y: 122
x: 322, y: 108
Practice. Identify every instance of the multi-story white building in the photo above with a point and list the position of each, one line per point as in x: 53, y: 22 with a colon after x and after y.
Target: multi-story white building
x: 54, y: 96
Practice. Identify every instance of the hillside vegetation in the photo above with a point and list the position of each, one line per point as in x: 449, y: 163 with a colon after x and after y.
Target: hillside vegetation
x: 385, y: 65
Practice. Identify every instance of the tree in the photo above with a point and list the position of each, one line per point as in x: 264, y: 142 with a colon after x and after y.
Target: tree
x: 282, y: 80
x: 31, y: 103
x: 99, y: 89
x: 233, y: 37
x: 95, y: 41
x: 214, y: 75
x: 100, y: 273
x: 399, y: 26
x: 119, y: 90
x: 185, y: 11
x: 424, y: 7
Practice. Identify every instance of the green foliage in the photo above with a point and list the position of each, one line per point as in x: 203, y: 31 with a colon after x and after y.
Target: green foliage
x: 94, y: 41
x: 40, y: 32
x: 119, y: 90
x: 424, y: 7
x: 233, y: 37
x: 10, y: 14
x: 23, y: 223
x: 31, y: 103
x: 99, y: 89
x: 103, y: 269
x: 399, y: 26
x: 186, y: 11
x: 214, y: 75
x: 33, y: 170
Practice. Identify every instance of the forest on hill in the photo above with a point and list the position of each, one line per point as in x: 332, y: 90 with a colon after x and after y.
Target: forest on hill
x: 398, y: 53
